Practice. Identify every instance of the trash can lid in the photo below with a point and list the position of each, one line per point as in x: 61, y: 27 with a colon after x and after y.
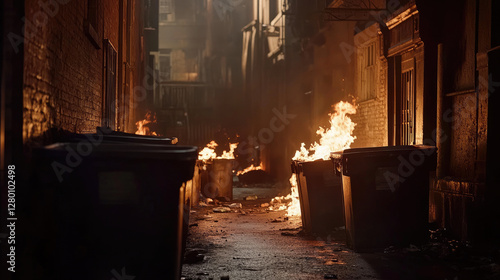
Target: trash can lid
x: 384, y: 150
x: 123, y: 150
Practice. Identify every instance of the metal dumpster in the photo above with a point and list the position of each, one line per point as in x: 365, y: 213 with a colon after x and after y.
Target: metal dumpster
x: 219, y: 173
x: 386, y: 195
x: 320, y: 195
x: 108, y: 209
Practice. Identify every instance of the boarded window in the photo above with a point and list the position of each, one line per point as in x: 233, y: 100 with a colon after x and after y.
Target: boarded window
x: 367, y: 67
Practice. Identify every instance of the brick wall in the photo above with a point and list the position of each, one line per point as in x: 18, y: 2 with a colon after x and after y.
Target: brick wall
x: 64, y: 71
x: 371, y: 116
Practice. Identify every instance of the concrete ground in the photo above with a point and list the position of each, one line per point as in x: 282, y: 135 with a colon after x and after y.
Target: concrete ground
x: 254, y: 243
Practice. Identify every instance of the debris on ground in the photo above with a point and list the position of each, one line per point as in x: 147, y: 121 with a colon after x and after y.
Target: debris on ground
x: 222, y: 210
x: 235, y: 205
x: 263, y: 205
x: 251, y: 197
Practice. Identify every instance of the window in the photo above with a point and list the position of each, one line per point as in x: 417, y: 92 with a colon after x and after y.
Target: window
x: 90, y: 23
x: 166, y: 11
x: 407, y: 107
x: 165, y: 65
x: 274, y: 9
x: 367, y: 67
x: 110, y: 102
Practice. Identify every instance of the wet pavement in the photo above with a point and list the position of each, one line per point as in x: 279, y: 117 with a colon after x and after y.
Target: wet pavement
x: 253, y: 242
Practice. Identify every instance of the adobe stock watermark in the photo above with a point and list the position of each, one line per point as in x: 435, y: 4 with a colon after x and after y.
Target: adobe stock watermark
x: 40, y: 19
x: 407, y: 167
x: 224, y: 7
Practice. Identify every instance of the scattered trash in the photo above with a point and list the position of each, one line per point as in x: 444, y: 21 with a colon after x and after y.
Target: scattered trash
x: 330, y: 276
x: 222, y: 209
x: 202, y: 204
x: 264, y: 205
x: 251, y: 197
x: 279, y: 220
x: 209, y: 200
x: 193, y: 256
x: 235, y: 205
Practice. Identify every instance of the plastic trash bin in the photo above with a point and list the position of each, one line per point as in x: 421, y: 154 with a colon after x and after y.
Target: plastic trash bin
x: 386, y: 195
x: 109, y: 209
x: 320, y: 196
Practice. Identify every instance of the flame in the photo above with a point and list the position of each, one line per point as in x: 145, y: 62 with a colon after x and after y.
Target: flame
x: 293, y: 207
x: 230, y: 154
x: 208, y: 153
x: 250, y: 168
x: 143, y: 127
x: 336, y: 138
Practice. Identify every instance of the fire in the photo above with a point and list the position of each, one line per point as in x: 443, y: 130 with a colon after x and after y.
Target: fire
x: 145, y: 126
x: 230, y: 154
x: 336, y: 138
x: 208, y: 153
x: 250, y: 168
x: 293, y: 207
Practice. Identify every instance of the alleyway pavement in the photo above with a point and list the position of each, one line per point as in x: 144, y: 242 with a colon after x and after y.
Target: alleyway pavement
x: 253, y: 242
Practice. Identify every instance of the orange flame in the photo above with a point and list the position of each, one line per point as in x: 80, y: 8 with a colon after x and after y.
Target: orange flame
x: 143, y: 127
x: 248, y: 169
x: 208, y: 153
x: 336, y: 138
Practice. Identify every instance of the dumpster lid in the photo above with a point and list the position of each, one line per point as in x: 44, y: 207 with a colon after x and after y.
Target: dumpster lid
x: 124, y: 150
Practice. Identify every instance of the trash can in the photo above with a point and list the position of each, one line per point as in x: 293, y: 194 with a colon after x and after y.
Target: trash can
x: 109, y: 209
x: 220, y: 179
x: 386, y: 195
x: 320, y: 196
x: 119, y: 137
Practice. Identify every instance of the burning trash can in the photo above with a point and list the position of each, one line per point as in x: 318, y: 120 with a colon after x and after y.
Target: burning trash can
x: 109, y: 207
x: 220, y: 179
x: 320, y: 196
x: 216, y: 175
x: 386, y: 195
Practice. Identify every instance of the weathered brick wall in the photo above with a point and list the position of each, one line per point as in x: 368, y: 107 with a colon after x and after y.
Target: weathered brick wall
x: 63, y: 77
x: 371, y: 117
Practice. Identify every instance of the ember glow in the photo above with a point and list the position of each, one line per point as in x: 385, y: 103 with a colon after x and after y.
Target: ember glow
x: 336, y: 138
x: 248, y: 169
x: 146, y: 126
x: 208, y: 153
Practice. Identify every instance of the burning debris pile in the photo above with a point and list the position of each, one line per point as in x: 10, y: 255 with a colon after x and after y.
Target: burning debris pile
x: 147, y: 126
x: 336, y: 138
